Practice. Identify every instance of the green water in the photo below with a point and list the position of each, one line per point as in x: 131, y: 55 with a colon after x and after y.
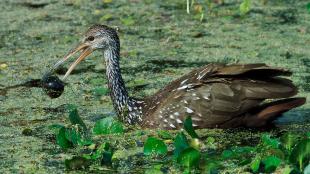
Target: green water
x: 159, y: 42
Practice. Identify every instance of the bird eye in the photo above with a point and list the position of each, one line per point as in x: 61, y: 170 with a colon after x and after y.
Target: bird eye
x: 90, y: 38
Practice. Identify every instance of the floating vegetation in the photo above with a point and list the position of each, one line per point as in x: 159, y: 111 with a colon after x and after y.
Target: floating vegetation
x: 186, y: 153
x: 160, y: 42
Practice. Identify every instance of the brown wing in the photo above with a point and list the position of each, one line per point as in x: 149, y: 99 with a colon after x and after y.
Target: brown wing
x: 216, y: 94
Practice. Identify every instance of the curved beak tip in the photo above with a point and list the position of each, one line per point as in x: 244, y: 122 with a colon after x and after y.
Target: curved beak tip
x: 86, y: 50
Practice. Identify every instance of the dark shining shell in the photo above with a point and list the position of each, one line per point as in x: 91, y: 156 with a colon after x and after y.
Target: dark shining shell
x: 52, y: 86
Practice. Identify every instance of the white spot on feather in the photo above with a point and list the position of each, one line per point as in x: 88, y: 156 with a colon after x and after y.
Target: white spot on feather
x: 183, y: 81
x: 171, y: 125
x: 179, y: 121
x: 188, y: 110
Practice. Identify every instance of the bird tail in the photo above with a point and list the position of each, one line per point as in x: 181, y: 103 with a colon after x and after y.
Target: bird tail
x: 268, y: 112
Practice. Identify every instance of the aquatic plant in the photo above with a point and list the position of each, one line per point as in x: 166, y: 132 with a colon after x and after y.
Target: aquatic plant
x: 289, y: 153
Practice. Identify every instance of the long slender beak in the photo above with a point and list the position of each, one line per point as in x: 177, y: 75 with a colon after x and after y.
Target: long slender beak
x: 86, y: 50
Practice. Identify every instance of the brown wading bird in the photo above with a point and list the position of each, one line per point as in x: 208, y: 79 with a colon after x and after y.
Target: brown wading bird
x: 215, y: 96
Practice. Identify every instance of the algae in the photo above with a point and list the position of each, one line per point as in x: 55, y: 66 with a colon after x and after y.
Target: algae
x: 160, y: 42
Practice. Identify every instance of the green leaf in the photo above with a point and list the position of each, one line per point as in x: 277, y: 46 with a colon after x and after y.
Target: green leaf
x: 154, y: 146
x: 237, y: 152
x: 301, y: 153
x: 55, y: 128
x: 100, y: 91
x: 108, y: 125
x: 227, y: 154
x: 180, y: 143
x: 287, y: 170
x: 188, y: 126
x: 76, y: 119
x: 271, y: 163
x: 73, y: 136
x: 211, y: 167
x: 154, y: 170
x: 99, y: 151
x: 271, y: 142
x: 189, y: 157
x: 289, y: 140
x: 61, y: 139
x: 308, y: 7
x: 77, y: 163
x: 245, y: 7
x: 255, y: 164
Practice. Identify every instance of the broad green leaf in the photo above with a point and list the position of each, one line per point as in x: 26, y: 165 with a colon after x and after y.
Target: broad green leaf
x: 189, y: 157
x: 61, y: 139
x: 73, y: 136
x: 245, y: 7
x: 77, y: 163
x: 188, y: 126
x: 76, y: 119
x: 289, y: 140
x: 271, y: 142
x: 271, y: 163
x: 308, y: 134
x: 301, y: 153
x: 237, y: 152
x: 108, y: 125
x: 255, y: 164
x: 227, y: 154
x: 154, y: 146
x: 180, y: 143
x: 308, y: 7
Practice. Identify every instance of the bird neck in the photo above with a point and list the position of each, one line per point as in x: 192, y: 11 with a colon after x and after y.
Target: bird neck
x: 123, y: 104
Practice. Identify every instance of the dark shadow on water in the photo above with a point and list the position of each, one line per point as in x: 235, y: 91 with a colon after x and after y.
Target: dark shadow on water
x: 29, y: 84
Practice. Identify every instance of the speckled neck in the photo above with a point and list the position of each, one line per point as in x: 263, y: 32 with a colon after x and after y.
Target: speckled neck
x: 116, y: 83
x: 127, y: 108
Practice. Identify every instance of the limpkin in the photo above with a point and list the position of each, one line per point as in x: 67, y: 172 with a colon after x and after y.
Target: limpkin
x: 215, y: 95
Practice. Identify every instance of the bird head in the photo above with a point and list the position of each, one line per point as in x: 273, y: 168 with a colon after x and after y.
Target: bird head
x: 97, y: 37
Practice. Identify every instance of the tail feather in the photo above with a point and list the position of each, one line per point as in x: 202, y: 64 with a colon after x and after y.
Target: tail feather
x: 264, y: 114
x: 268, y: 112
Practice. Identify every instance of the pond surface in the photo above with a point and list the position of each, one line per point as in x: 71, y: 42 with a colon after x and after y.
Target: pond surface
x: 159, y: 42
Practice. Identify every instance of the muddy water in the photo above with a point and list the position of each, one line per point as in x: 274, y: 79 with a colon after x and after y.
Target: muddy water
x: 160, y: 42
